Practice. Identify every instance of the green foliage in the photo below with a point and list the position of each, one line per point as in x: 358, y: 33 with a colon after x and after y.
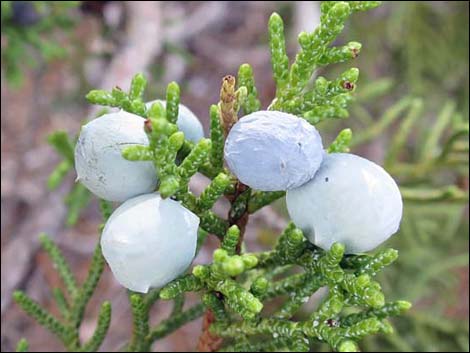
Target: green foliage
x: 421, y: 170
x: 175, y: 322
x: 447, y: 52
x: 432, y: 77
x: 321, y: 268
x: 327, y: 99
x: 231, y: 239
x: 217, y: 138
x: 72, y: 305
x: 30, y: 25
x: 251, y: 102
x: 62, y: 143
x: 172, y: 102
x: 22, y: 345
x: 76, y: 201
x: 341, y: 142
x: 140, y: 323
x: 104, y: 319
x: 429, y: 166
x: 41, y: 316
x: 237, y: 285
x: 277, y: 43
x: 65, y: 148
x: 259, y: 199
x: 78, y: 197
x: 131, y: 102
x: 60, y: 263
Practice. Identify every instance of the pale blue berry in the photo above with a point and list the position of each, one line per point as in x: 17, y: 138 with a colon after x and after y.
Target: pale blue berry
x: 272, y: 151
x: 187, y: 122
x: 149, y: 241
x: 351, y: 200
x: 100, y: 165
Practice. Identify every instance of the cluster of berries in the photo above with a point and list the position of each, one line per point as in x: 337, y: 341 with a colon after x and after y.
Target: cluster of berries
x: 149, y: 241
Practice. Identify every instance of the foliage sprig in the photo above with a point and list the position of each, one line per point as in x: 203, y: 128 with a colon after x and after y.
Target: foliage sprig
x: 236, y: 285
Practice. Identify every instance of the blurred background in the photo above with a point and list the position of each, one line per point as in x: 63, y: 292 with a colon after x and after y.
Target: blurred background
x: 414, y: 84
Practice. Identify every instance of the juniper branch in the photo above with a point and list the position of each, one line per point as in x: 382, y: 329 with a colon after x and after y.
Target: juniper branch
x: 60, y: 263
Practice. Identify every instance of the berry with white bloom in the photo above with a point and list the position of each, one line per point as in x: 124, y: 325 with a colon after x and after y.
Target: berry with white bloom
x: 149, y: 241
x: 100, y: 165
x: 187, y: 122
x: 350, y: 200
x: 272, y: 151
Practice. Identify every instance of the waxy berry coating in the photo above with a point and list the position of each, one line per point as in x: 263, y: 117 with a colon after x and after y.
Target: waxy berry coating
x: 272, y: 151
x: 351, y: 200
x: 149, y: 241
x: 100, y: 165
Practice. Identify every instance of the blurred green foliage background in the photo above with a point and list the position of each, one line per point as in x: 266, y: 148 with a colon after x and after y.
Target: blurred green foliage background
x: 414, y: 89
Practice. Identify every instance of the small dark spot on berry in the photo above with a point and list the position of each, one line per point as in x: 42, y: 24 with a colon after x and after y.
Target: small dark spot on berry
x: 327, y: 179
x: 300, y: 144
